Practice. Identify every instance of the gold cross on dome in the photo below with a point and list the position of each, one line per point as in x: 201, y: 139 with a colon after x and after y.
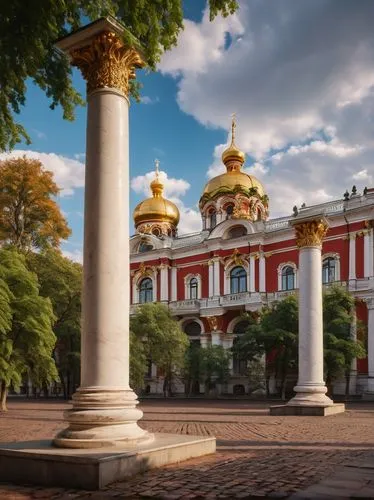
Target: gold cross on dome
x: 233, y: 127
x: 157, y: 165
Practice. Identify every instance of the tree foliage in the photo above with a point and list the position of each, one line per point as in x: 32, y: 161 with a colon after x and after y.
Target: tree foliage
x: 60, y: 280
x: 27, y: 54
x: 164, y: 341
x: 29, y: 216
x: 339, y: 347
x: 27, y: 339
x: 214, y: 366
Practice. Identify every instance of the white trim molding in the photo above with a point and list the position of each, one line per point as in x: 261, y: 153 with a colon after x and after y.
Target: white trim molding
x: 229, y: 267
x: 336, y: 257
x: 146, y: 272
x: 280, y: 270
x: 187, y: 280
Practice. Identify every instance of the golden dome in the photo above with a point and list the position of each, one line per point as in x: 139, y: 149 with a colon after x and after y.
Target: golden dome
x: 231, y: 180
x: 156, y: 208
x: 234, y: 179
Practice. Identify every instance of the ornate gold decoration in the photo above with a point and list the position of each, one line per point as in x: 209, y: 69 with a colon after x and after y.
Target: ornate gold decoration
x: 107, y: 63
x: 213, y: 323
x: 311, y: 233
x: 146, y: 270
x: 368, y: 224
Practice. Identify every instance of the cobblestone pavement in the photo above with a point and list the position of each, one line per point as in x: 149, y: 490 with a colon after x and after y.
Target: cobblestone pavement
x: 257, y: 455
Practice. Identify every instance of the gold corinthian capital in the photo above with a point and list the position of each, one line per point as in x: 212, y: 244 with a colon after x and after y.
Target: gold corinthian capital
x: 310, y: 233
x: 107, y: 63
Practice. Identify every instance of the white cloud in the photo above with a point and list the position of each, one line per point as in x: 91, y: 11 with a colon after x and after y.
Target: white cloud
x: 75, y: 255
x: 39, y: 134
x: 68, y: 172
x: 145, y: 99
x: 172, y: 187
x: 301, y: 77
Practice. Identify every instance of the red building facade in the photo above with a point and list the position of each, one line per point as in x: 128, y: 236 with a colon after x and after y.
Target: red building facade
x: 241, y: 261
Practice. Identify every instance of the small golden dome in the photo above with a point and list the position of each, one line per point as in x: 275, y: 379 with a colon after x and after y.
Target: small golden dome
x: 231, y: 180
x: 156, y: 208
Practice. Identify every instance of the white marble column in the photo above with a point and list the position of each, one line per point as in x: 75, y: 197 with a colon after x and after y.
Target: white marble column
x: 104, y: 406
x: 164, y: 282
x: 174, y: 284
x: 352, y: 257
x: 370, y: 306
x: 368, y: 254
x: 310, y: 389
x: 262, y: 273
x: 216, y: 278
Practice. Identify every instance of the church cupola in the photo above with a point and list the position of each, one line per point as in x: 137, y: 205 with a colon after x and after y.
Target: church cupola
x: 234, y: 194
x: 156, y: 215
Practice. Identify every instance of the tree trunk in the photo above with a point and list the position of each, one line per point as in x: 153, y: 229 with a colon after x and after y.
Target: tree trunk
x: 347, y: 383
x: 3, y: 396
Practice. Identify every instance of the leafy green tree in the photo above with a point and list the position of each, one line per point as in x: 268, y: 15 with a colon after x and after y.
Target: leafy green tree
x: 340, y: 349
x: 165, y: 343
x: 30, y: 218
x: 254, y: 345
x: 60, y: 280
x: 27, y: 53
x: 214, y: 366
x: 27, y: 341
x: 138, y: 362
x: 280, y: 326
x: 192, y: 368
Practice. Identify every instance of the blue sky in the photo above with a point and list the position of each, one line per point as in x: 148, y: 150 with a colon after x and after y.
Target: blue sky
x: 299, y: 78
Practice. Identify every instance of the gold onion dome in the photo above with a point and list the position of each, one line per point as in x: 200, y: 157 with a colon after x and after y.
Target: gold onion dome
x: 234, y: 179
x: 156, y: 208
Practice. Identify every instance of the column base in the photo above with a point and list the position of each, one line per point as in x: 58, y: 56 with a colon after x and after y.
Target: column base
x: 307, y: 410
x: 101, y: 418
x: 310, y: 400
x: 38, y: 462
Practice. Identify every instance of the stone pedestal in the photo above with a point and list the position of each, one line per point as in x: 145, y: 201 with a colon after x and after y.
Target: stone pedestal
x: 310, y: 389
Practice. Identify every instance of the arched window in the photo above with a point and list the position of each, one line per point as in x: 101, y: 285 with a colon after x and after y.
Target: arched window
x: 213, y: 219
x: 145, y: 247
x: 328, y: 270
x: 288, y: 278
x: 193, y: 286
x: 229, y: 211
x: 237, y: 231
x: 146, y: 291
x: 192, y: 329
x: 241, y: 327
x: 238, y: 280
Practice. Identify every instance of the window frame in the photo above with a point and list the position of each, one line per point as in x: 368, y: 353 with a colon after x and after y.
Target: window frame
x: 145, y: 293
x: 238, y: 281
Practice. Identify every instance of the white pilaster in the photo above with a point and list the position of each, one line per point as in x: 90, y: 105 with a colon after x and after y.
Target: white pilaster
x: 370, y: 306
x: 174, y: 283
x: 216, y: 278
x: 252, y: 277
x: 262, y: 273
x: 211, y: 278
x: 352, y: 257
x: 164, y: 283
x: 368, y: 254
